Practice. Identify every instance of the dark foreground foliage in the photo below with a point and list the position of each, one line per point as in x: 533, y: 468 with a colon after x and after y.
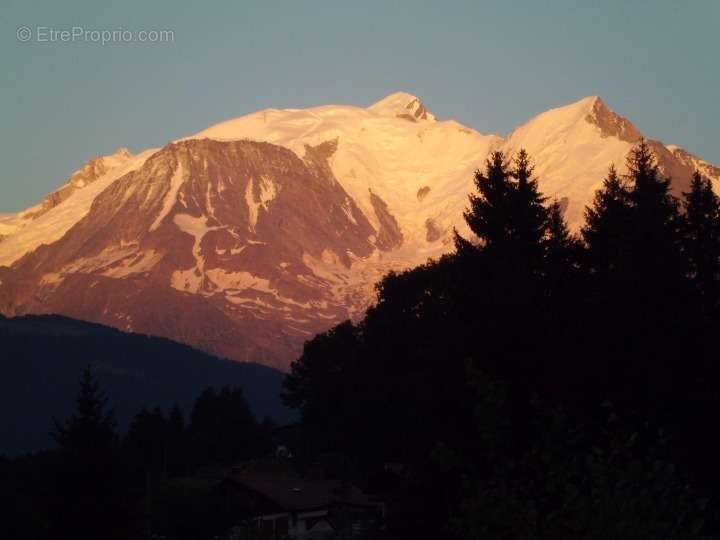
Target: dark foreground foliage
x: 98, y: 484
x: 532, y: 384
x: 535, y: 384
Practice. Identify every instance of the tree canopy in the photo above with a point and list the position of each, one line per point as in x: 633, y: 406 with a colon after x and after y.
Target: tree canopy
x: 533, y: 378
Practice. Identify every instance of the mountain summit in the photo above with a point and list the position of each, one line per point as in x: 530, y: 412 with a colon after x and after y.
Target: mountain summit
x: 250, y: 236
x: 402, y: 105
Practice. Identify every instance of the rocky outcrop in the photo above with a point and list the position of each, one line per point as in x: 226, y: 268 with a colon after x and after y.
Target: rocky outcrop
x: 417, y: 110
x: 695, y: 163
x: 679, y: 172
x: 91, y: 171
x: 612, y: 124
x: 422, y: 193
x: 433, y: 231
x: 389, y: 236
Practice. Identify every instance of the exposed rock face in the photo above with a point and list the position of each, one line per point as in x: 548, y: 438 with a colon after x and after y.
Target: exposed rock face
x: 246, y: 249
x: 210, y: 243
x: 434, y: 232
x: 695, y: 163
x: 680, y: 172
x: 389, y: 235
x: 423, y: 192
x: 612, y: 124
x: 418, y: 110
x: 403, y: 105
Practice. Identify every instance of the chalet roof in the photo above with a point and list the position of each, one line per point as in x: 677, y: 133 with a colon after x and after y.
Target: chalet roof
x: 277, y: 481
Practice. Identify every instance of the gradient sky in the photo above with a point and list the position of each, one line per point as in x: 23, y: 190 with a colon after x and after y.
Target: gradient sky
x: 490, y: 65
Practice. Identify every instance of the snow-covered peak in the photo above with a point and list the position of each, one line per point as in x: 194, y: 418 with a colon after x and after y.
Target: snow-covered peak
x: 572, y: 147
x: 588, y: 110
x: 121, y: 153
x: 561, y: 118
x: 402, y: 105
x: 97, y: 167
x: 391, y: 151
x: 582, y: 120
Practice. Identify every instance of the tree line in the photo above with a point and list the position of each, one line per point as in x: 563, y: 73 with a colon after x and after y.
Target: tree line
x: 536, y: 383
x: 99, y: 483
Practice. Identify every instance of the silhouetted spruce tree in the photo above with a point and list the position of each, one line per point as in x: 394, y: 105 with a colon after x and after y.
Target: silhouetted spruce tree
x: 633, y: 230
x: 641, y: 302
x: 606, y: 226
x: 607, y: 261
x: 515, y: 226
x: 503, y: 215
x: 702, y: 237
x: 92, y: 491
x: 516, y: 287
x: 655, y: 228
x: 489, y: 209
x: 507, y: 214
x: 91, y: 428
x: 529, y: 218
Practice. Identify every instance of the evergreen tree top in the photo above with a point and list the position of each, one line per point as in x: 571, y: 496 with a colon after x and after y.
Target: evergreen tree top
x: 92, y: 425
x: 510, y: 216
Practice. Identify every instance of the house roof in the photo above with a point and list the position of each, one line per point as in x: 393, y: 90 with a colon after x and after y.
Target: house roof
x: 277, y: 481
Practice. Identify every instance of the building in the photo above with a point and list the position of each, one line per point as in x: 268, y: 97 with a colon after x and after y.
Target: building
x: 273, y: 497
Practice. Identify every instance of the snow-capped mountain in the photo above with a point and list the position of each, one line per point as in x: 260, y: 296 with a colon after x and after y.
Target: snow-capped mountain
x: 249, y: 237
x: 59, y: 211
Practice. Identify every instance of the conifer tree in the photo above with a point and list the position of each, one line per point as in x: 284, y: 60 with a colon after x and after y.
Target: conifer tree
x: 655, y: 221
x: 639, y: 299
x: 529, y: 217
x: 490, y: 210
x: 508, y: 214
x: 89, y: 481
x: 526, y: 254
x: 633, y: 228
x: 92, y: 427
x: 606, y: 225
x: 702, y: 237
x: 561, y: 249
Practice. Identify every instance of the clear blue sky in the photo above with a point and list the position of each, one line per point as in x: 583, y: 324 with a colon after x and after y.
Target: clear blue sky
x: 490, y: 65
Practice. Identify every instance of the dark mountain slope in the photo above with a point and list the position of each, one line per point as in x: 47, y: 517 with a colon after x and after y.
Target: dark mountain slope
x: 41, y: 358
